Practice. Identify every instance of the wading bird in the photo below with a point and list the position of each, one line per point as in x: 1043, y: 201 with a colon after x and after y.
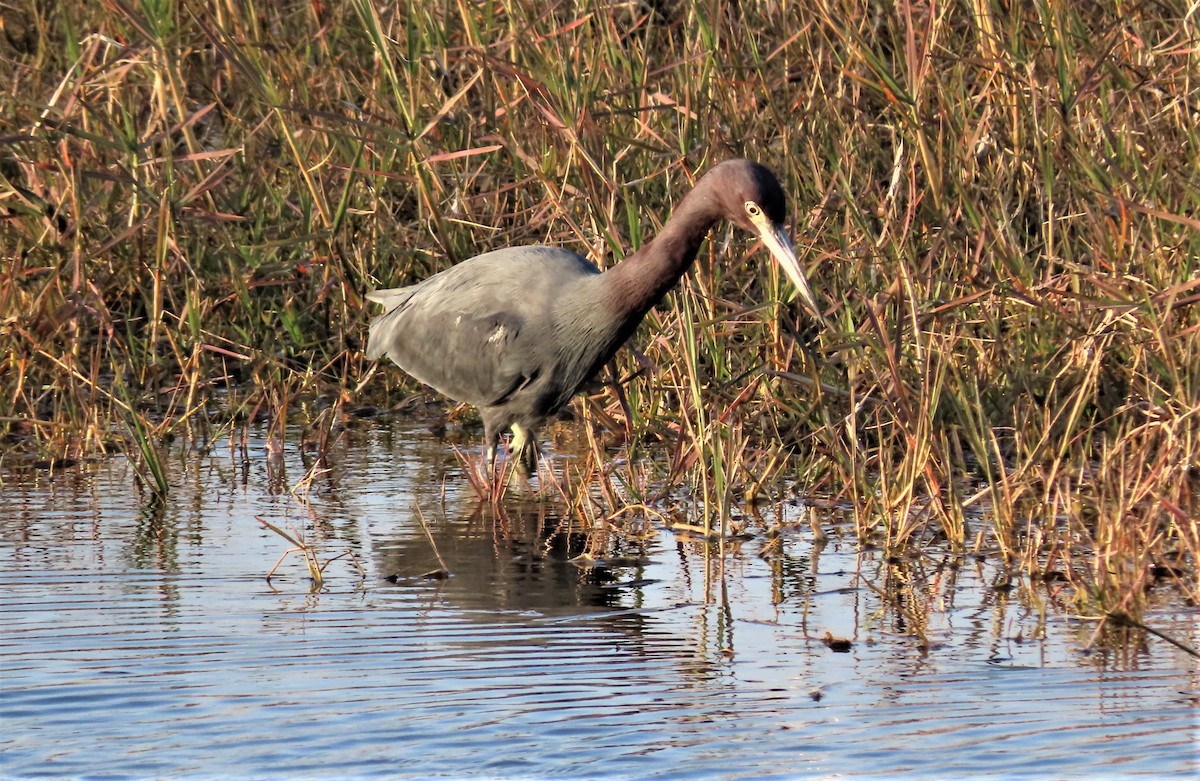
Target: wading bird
x: 517, y: 332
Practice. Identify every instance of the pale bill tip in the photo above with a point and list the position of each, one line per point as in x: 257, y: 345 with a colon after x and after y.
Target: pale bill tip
x: 780, y: 245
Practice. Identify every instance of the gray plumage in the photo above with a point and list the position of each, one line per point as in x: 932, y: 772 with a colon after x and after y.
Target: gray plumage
x: 478, y: 332
x: 517, y: 332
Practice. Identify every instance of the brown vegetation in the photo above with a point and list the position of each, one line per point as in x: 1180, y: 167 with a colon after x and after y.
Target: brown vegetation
x: 998, y: 202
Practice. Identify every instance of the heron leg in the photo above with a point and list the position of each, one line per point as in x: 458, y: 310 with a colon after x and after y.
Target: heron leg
x: 491, y: 438
x: 524, y: 449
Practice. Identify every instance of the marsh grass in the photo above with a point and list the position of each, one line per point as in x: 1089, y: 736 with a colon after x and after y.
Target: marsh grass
x: 316, y: 567
x: 996, y: 201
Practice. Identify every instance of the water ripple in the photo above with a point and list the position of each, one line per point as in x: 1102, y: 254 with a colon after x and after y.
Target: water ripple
x: 136, y: 646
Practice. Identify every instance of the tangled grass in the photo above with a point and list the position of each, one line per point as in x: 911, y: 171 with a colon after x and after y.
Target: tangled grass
x: 999, y: 203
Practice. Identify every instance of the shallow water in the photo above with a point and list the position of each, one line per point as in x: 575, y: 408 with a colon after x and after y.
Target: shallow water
x: 143, y: 642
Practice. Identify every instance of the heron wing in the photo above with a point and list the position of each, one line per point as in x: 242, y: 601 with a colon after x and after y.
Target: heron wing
x: 482, y: 330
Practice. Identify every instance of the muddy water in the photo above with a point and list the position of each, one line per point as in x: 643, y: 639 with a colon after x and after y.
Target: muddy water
x: 143, y: 641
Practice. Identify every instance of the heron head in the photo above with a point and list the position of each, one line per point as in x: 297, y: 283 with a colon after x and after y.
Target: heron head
x: 753, y: 200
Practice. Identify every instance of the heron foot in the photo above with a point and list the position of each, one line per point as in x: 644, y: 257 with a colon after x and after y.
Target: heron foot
x: 524, y: 450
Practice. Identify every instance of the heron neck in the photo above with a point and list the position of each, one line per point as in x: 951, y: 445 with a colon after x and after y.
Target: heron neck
x: 640, y: 281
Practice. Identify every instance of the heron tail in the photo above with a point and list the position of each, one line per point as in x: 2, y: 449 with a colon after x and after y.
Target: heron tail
x: 390, y: 298
x: 383, y: 330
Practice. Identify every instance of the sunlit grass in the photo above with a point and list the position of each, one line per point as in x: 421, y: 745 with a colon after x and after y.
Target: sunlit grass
x: 997, y: 203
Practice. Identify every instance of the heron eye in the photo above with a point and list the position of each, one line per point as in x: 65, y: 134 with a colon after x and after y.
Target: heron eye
x: 753, y: 209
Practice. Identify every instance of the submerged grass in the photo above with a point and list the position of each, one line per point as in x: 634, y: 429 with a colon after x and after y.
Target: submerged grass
x: 997, y: 201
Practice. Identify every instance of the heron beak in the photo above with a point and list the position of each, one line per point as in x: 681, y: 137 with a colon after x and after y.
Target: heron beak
x: 780, y: 246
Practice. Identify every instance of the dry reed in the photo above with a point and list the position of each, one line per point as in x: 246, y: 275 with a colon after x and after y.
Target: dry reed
x: 997, y: 201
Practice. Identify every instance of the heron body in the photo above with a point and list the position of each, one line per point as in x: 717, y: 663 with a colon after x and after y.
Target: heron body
x: 519, y: 331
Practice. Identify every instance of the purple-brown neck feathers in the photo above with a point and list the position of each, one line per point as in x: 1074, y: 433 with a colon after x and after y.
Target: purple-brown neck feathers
x: 640, y: 281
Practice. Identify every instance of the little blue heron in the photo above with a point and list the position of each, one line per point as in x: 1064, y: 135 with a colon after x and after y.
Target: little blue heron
x: 517, y: 332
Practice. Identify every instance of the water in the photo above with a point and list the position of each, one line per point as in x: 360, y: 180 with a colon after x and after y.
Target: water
x: 143, y: 642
